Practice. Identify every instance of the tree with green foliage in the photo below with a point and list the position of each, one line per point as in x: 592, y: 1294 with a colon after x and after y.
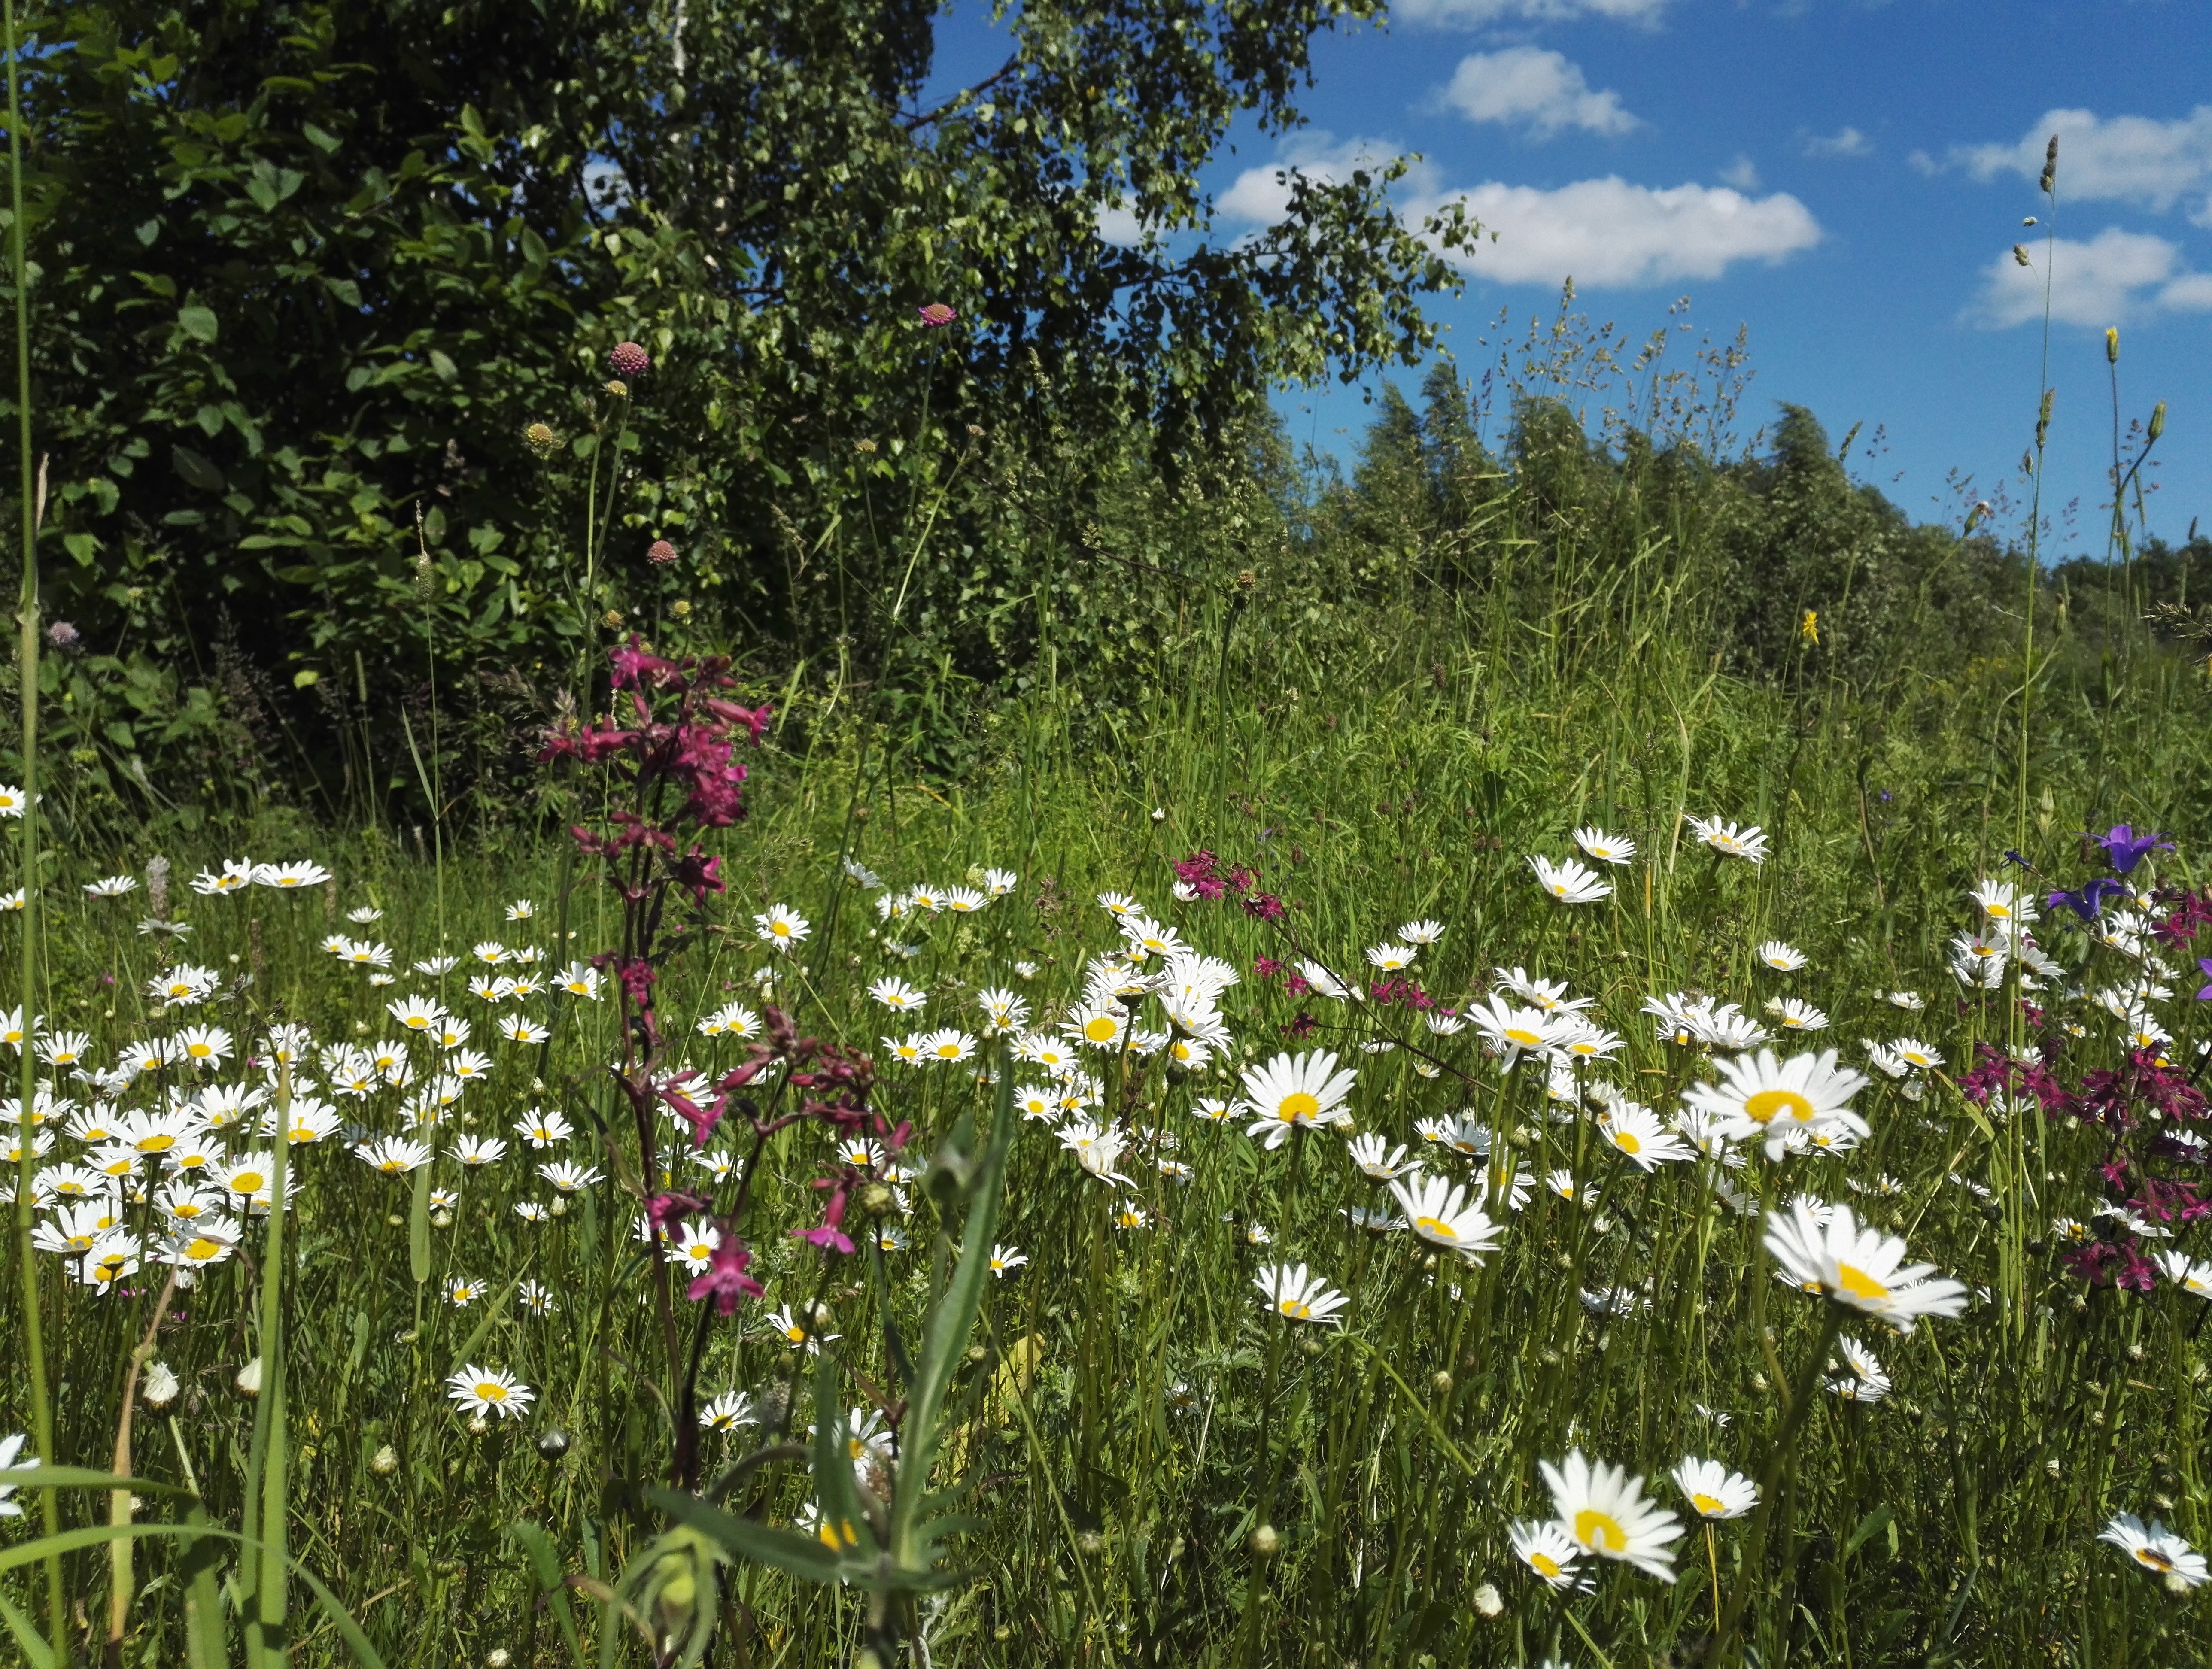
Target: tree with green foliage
x: 305, y: 273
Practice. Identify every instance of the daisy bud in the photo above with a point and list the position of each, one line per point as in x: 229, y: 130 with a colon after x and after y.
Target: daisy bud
x: 629, y: 360
x: 2111, y: 345
x: 1486, y: 1600
x: 1266, y: 1540
x: 478, y: 1425
x: 1091, y: 1543
x: 161, y: 1385
x: 498, y: 1658
x: 385, y: 1461
x: 877, y: 1200
x: 552, y: 1444
x: 2158, y: 419
x: 1441, y: 1383
x: 249, y: 1379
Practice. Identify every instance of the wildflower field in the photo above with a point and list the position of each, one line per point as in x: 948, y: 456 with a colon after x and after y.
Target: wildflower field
x: 1468, y: 1168
x: 904, y: 1000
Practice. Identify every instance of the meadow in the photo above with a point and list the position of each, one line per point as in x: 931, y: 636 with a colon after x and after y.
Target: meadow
x: 1581, y: 1048
x: 1196, y: 1193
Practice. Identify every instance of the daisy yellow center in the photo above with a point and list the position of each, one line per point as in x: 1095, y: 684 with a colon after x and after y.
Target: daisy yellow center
x: 1626, y: 1142
x: 1860, y: 1285
x: 1180, y: 1050
x: 491, y: 1391
x: 1768, y: 1105
x: 948, y: 1051
x: 1296, y: 1107
x: 1709, y: 1506
x: 1559, y: 889
x: 1524, y: 1036
x: 796, y: 1335
x: 157, y: 1144
x: 2153, y: 1558
x: 1436, y: 1227
x: 781, y: 929
x: 1546, y: 1565
x: 1099, y: 1029
x: 1600, y: 1531
x: 1297, y: 1308
x: 248, y: 1182
x: 2002, y: 912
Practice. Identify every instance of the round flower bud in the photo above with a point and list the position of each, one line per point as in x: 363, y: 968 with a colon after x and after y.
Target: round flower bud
x: 249, y: 1379
x: 552, y: 1443
x: 616, y: 389
x: 478, y: 1425
x: 1441, y: 1383
x: 541, y: 439
x: 613, y: 619
x: 385, y: 1461
x: 661, y: 551
x: 161, y: 1385
x: 498, y: 1658
x: 629, y: 360
x: 877, y: 1200
x: 1267, y: 1540
x: 681, y: 608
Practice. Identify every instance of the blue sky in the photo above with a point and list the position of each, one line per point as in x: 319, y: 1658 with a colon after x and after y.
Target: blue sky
x: 1844, y: 178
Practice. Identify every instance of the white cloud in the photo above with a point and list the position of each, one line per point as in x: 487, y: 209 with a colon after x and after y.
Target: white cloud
x: 1474, y: 14
x: 2134, y: 159
x: 2191, y: 292
x: 1743, y: 173
x: 1843, y: 142
x: 1118, y: 224
x: 1531, y: 87
x: 1601, y: 233
x: 1260, y: 196
x: 1605, y: 232
x: 2105, y: 280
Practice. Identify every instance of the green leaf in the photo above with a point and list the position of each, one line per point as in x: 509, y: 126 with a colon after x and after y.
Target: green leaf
x: 36, y: 1652
x: 197, y: 469
x: 545, y: 1567
x: 197, y: 322
x: 418, y: 1228
x: 1872, y: 1525
x: 443, y: 365
x: 787, y: 1551
x: 322, y: 140
x: 83, y: 1477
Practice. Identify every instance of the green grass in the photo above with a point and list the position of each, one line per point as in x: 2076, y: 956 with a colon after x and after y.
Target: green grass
x: 1130, y: 1415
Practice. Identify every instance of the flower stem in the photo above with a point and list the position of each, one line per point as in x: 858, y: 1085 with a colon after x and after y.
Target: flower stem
x: 1771, y: 1476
